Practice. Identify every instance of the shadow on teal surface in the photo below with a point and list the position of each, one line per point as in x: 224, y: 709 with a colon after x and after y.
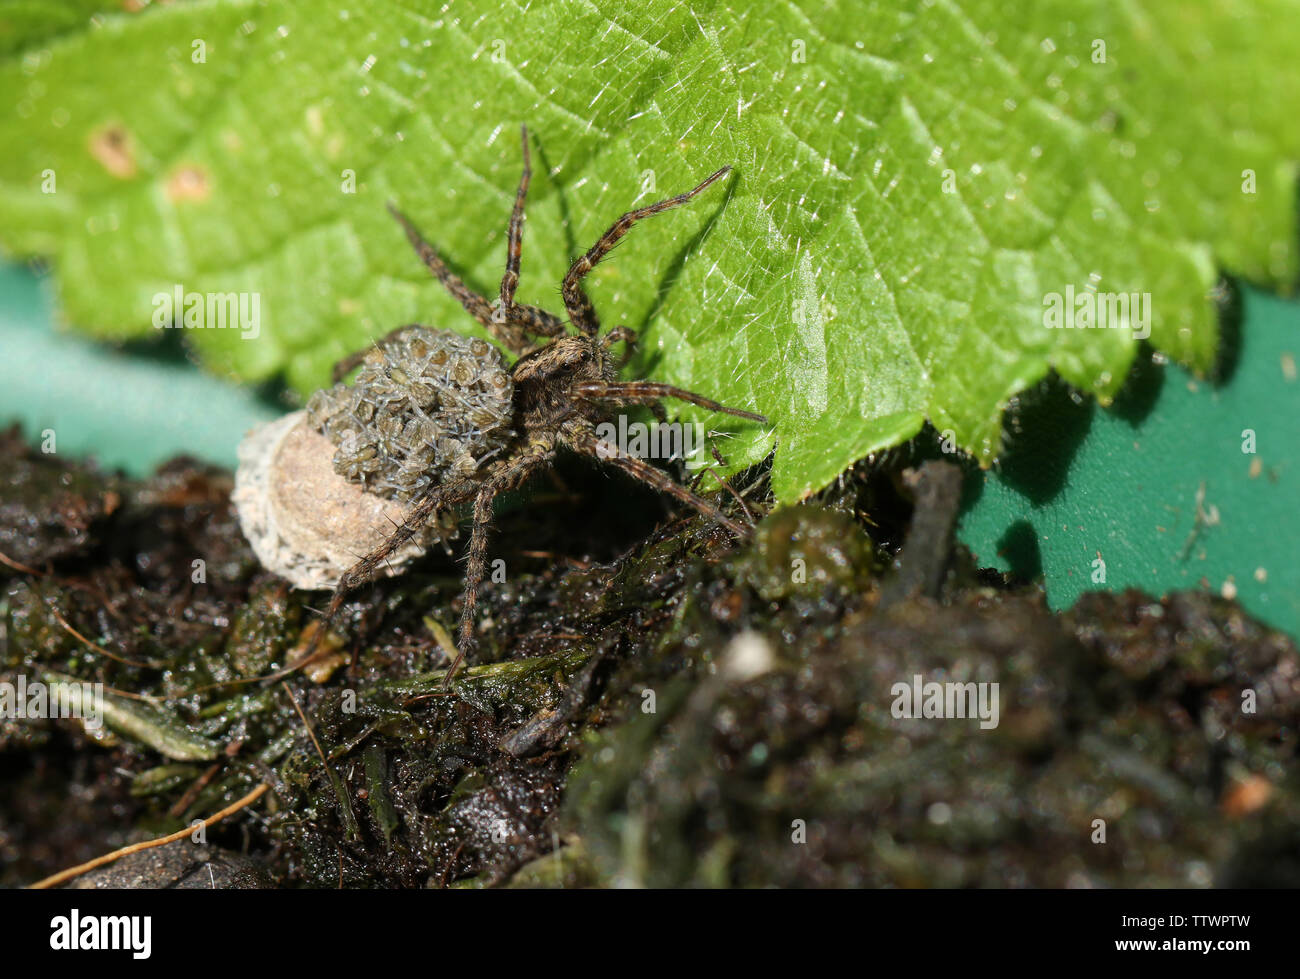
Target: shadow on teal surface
x: 1161, y: 491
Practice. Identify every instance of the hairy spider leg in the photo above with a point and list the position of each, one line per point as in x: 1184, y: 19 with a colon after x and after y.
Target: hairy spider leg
x: 581, y: 313
x: 506, y: 475
x: 579, y: 435
x: 437, y: 499
x: 514, y: 325
x: 530, y: 320
x: 515, y: 231
x: 474, y: 304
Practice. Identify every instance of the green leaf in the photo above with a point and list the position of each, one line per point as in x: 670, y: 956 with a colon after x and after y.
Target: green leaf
x: 24, y: 24
x: 832, y: 283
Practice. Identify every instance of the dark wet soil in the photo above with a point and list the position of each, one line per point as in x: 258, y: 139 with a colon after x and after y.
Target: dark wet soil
x: 651, y: 703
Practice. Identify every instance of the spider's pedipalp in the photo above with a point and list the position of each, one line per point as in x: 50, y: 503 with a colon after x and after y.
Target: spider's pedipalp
x: 581, y: 313
x: 616, y: 334
x: 581, y: 437
x: 529, y: 321
x: 620, y: 333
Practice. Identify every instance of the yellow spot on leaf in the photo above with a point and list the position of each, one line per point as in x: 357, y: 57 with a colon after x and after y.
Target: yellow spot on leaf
x: 189, y: 183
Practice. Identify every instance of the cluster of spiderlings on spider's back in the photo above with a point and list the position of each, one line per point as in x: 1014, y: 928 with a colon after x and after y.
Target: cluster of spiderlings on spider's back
x: 425, y: 405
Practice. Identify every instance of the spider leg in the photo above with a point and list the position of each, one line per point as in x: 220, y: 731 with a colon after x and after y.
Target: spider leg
x: 364, y: 569
x: 643, y: 392
x: 509, y: 322
x: 581, y: 437
x: 475, y: 569
x: 581, y: 313
x: 515, y: 234
x: 509, y: 475
x: 525, y: 320
x: 474, y: 304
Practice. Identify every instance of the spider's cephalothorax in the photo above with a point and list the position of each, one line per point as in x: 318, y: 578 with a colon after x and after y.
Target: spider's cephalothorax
x: 436, y: 436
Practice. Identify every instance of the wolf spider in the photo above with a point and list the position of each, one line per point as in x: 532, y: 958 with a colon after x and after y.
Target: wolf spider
x: 562, y: 389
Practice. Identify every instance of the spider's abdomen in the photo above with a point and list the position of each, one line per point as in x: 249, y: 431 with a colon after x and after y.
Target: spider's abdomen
x: 426, y: 405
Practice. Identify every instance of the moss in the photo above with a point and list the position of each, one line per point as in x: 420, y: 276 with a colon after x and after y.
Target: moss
x: 262, y: 629
x: 804, y: 551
